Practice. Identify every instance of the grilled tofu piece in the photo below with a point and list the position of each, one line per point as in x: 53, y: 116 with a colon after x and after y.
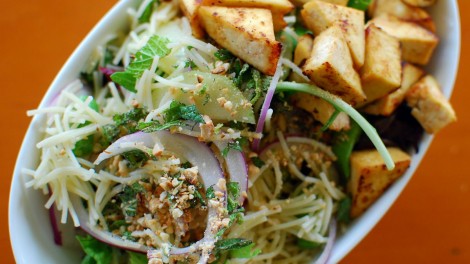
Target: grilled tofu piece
x: 388, y: 104
x: 417, y: 43
x: 403, y: 11
x: 370, y: 177
x: 246, y: 32
x: 319, y: 16
x: 429, y: 106
x: 279, y: 8
x: 321, y: 110
x: 420, y: 3
x: 330, y: 66
x: 189, y: 9
x: 381, y: 73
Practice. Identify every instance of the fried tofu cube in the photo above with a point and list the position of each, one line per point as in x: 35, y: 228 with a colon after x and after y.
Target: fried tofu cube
x: 381, y: 73
x: 417, y: 43
x: 403, y: 11
x: 246, y: 32
x: 429, y: 106
x: 279, y: 8
x: 420, y: 3
x: 336, y: 2
x: 330, y: 66
x: 321, y: 110
x: 189, y: 9
x: 319, y: 16
x: 370, y: 177
x: 388, y: 104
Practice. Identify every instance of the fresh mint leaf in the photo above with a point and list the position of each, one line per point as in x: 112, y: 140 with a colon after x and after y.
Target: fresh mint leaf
x: 178, y: 111
x: 305, y: 244
x: 137, y: 258
x: 96, y: 251
x: 156, y: 46
x: 125, y: 79
x: 257, y: 162
x: 210, y: 193
x: 223, y: 55
x: 245, y: 252
x: 130, y: 119
x: 232, y: 243
x: 359, y: 4
x: 128, y: 198
x: 235, y: 145
x: 152, y: 126
x: 110, y: 133
x: 233, y: 193
x: 145, y: 17
x: 136, y: 158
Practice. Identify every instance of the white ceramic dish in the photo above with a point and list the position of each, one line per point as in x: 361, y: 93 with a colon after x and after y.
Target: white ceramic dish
x: 30, y: 229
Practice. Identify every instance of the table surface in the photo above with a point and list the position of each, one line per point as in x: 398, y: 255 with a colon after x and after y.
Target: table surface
x: 429, y: 223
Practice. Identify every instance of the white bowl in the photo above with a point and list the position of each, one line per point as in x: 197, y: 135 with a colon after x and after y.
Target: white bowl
x: 30, y: 228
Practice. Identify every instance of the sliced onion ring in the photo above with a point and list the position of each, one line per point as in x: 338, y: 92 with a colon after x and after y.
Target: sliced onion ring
x: 189, y: 148
x: 236, y: 167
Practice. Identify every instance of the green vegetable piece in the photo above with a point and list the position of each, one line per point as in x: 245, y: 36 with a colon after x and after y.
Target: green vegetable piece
x: 343, y: 147
x: 305, y: 244
x: 245, y: 252
x: 128, y: 198
x: 210, y: 193
x: 235, y: 145
x: 232, y: 243
x: 344, y: 209
x: 145, y: 17
x: 136, y: 258
x: 222, y: 100
x: 84, y: 147
x: 257, y: 162
x: 223, y: 55
x: 96, y: 251
x: 136, y: 158
x: 178, y: 111
x: 359, y: 4
x: 338, y: 103
x: 156, y: 46
x: 233, y: 193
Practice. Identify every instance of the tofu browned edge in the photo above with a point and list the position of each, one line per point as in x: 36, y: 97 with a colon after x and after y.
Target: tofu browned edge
x: 370, y: 177
x: 246, y: 32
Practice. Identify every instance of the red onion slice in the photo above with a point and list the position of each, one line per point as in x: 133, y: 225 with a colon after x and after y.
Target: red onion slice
x: 267, y: 104
x: 236, y: 168
x: 326, y: 254
x: 197, y: 153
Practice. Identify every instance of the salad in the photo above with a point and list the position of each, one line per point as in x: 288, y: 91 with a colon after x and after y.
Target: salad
x: 236, y: 131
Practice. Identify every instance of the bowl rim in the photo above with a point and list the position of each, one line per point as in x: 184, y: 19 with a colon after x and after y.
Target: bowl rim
x: 360, y: 227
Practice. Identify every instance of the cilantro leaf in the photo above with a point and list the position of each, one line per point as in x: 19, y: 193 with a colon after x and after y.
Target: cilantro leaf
x: 156, y: 46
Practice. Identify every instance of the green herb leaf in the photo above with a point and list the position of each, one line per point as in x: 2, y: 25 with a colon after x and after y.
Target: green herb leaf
x: 235, y: 145
x: 145, y: 17
x: 128, y: 198
x: 223, y: 55
x: 156, y: 46
x: 109, y: 134
x: 245, y: 252
x: 96, y: 251
x: 233, y: 193
x: 130, y: 120
x: 136, y: 158
x: 359, y: 4
x: 344, y: 209
x: 137, y: 258
x: 210, y: 193
x: 84, y: 147
x: 257, y: 162
x: 305, y: 244
x: 178, y: 111
x: 232, y: 243
x: 152, y: 126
